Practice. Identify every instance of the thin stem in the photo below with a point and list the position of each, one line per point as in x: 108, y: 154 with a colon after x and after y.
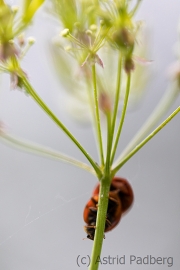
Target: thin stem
x: 97, y: 43
x: 140, y: 145
x: 97, y: 115
x: 100, y: 222
x: 109, y: 143
x: 160, y: 110
x: 117, y: 96
x: 20, y: 28
x: 132, y: 13
x: 91, y: 101
x: 80, y: 44
x: 42, y: 150
x: 122, y: 116
x: 32, y: 92
x: 24, y: 52
x: 96, y: 38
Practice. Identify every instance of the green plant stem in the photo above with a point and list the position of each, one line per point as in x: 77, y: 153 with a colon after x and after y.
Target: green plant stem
x: 34, y: 95
x: 80, y: 44
x: 109, y: 143
x: 140, y: 145
x: 99, y: 135
x: 20, y: 28
x: 132, y: 13
x: 117, y: 96
x: 102, y: 202
x: 42, y: 150
x: 91, y: 101
x: 100, y: 222
x: 122, y: 116
x: 96, y: 39
x: 160, y: 110
x: 98, y: 43
x: 25, y: 50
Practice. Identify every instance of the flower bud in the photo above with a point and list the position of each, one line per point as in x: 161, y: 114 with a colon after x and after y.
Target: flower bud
x: 89, y: 32
x: 93, y: 27
x: 129, y: 65
x: 102, y: 22
x: 15, y: 9
x: 123, y: 38
x: 104, y: 102
x: 31, y: 40
x: 21, y: 40
x: 77, y: 24
x: 67, y: 48
x: 65, y: 32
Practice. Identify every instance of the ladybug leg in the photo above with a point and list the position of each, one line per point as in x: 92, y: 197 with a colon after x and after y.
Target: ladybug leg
x: 116, y: 191
x: 93, y: 209
x: 90, y: 226
x: 114, y: 200
x: 109, y: 222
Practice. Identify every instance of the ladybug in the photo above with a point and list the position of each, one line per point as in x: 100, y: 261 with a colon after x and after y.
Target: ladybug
x: 120, y: 199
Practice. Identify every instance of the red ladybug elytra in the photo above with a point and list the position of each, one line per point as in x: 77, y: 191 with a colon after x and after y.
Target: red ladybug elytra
x: 120, y: 199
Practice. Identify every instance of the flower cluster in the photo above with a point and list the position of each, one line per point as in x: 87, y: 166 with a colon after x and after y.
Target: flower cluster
x: 97, y: 32
x: 13, y: 45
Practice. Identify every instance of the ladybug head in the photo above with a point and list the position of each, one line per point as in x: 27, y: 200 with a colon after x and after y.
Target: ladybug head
x: 90, y: 230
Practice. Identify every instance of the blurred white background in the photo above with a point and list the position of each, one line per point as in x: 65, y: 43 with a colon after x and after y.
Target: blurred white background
x: 42, y: 201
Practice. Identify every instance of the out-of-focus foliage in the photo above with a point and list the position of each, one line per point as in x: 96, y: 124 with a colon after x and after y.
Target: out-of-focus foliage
x: 13, y: 46
x: 30, y: 8
x: 97, y: 31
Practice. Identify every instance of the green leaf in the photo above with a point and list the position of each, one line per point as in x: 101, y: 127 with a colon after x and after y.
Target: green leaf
x: 30, y: 8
